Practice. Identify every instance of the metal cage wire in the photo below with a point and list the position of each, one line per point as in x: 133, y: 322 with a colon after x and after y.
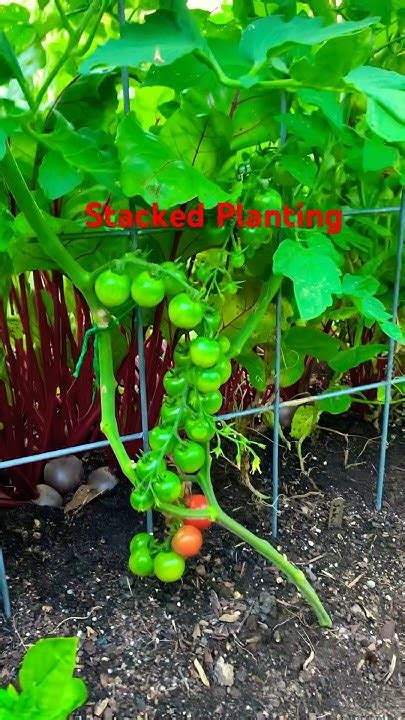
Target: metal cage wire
x: 388, y: 383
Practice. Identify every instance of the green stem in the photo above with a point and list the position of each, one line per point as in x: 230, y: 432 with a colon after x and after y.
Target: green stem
x: 48, y: 240
x: 268, y: 292
x: 108, y: 385
x: 264, y: 548
x: 71, y: 45
x: 293, y: 574
x: 64, y: 19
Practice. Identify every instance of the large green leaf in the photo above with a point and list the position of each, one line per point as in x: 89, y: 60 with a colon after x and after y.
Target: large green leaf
x: 347, y: 359
x: 56, y: 177
x: 385, y: 91
x: 315, y: 276
x: 46, y: 677
x: 335, y: 405
x: 273, y: 33
x: 84, y: 151
x: 198, y: 140
x: 149, y: 168
x: 159, y: 40
x: 311, y: 341
x: 254, y: 118
x: 332, y: 60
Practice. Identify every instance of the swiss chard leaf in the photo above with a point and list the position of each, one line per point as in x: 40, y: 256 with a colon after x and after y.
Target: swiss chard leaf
x: 150, y: 168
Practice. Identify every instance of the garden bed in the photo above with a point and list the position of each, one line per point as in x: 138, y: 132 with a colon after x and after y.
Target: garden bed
x: 147, y: 649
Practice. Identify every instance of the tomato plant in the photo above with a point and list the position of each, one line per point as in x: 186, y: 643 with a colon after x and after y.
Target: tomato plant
x: 185, y: 148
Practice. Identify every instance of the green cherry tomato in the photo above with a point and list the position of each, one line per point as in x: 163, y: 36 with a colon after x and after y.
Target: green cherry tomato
x: 169, y: 566
x: 224, y: 368
x: 141, y: 562
x: 204, y: 353
x: 171, y: 411
x: 268, y: 200
x: 189, y: 456
x: 212, y: 402
x: 237, y: 259
x: 150, y: 464
x: 199, y: 429
x: 203, y: 273
x: 140, y: 540
x: 171, y: 282
x: 212, y: 322
x: 174, y: 384
x: 181, y: 356
x: 142, y: 500
x: 184, y: 312
x: 207, y: 379
x: 224, y: 344
x: 253, y: 236
x: 112, y: 289
x: 168, y: 487
x: 146, y: 290
x: 161, y: 437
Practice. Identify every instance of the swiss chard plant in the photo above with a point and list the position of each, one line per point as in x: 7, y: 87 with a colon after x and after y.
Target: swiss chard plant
x: 47, y: 689
x: 298, y: 103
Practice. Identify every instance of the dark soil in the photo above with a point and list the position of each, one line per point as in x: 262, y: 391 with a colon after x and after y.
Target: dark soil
x: 145, y: 647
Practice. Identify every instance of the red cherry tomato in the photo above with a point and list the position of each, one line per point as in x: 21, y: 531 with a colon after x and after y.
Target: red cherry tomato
x: 197, y: 502
x: 187, y: 541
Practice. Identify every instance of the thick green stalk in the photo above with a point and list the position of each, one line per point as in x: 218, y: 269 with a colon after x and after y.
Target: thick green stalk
x: 108, y: 385
x: 293, y: 574
x: 268, y: 292
x: 48, y: 240
x: 215, y: 513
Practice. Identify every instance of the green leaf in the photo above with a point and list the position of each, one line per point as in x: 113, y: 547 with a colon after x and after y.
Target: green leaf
x: 82, y: 150
x: 46, y: 677
x: 3, y: 144
x: 327, y: 102
x: 292, y: 367
x: 385, y: 91
x: 315, y: 276
x: 9, y: 65
x: 256, y: 369
x: 199, y: 140
x: 254, y: 118
x: 352, y: 357
x: 149, y: 168
x: 378, y: 156
x: 56, y: 177
x: 303, y: 169
x: 332, y: 60
x: 372, y: 309
x: 335, y: 405
x: 393, y: 331
x: 359, y: 286
x: 160, y: 40
x: 304, y: 421
x: 272, y: 32
x: 313, y: 342
x: 310, y: 128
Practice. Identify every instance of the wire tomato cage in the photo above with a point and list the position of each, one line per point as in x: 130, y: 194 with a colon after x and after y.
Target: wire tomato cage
x: 277, y: 404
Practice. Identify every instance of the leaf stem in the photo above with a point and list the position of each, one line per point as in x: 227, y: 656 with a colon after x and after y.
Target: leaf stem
x: 48, y: 240
x: 268, y: 292
x: 108, y: 385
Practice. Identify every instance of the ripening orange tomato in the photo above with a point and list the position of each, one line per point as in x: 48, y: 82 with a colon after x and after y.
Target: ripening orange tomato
x: 187, y: 541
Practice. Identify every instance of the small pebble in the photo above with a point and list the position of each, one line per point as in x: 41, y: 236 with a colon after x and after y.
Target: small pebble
x: 370, y: 583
